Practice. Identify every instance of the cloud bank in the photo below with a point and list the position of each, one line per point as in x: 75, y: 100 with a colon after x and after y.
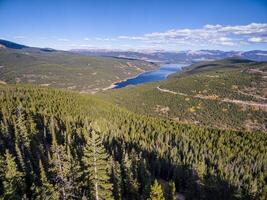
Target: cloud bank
x: 209, y: 35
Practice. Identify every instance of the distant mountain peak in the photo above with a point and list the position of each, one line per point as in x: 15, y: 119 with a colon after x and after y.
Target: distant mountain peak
x: 11, y: 45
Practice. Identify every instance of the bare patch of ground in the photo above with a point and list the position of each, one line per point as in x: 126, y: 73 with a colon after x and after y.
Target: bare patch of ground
x: 110, y: 87
x: 46, y: 84
x: 213, y: 76
x: 254, y: 125
x: 18, y: 80
x: 72, y: 87
x: 257, y: 71
x: 209, y: 97
x: 3, y: 82
x: 162, y: 110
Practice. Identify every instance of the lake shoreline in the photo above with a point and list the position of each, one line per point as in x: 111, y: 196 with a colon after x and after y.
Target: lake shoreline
x: 162, y: 73
x: 113, y: 85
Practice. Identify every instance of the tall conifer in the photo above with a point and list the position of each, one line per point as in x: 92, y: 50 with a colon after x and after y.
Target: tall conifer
x: 96, y: 160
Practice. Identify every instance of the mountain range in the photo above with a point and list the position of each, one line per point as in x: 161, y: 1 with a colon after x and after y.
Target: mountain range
x: 188, y: 56
x: 174, y: 57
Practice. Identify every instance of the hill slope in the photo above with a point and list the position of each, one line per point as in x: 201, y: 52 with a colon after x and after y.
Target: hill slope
x: 224, y: 94
x: 44, y: 132
x: 22, y: 64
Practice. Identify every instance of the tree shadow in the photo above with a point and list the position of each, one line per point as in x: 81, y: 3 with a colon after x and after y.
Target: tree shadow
x: 187, y: 180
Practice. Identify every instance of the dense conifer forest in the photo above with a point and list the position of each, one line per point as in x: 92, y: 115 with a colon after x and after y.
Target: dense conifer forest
x: 56, y: 144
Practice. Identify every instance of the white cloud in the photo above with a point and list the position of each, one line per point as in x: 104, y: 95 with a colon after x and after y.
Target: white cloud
x: 105, y: 39
x: 63, y: 39
x: 131, y: 37
x: 86, y: 39
x: 258, y: 39
x: 209, y: 35
x: 85, y: 45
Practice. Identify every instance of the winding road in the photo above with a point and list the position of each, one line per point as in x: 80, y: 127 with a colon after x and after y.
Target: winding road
x: 216, y: 98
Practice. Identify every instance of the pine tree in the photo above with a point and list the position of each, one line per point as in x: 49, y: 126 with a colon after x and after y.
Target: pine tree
x: 116, y: 180
x: 130, y: 183
x: 263, y: 194
x: 144, y: 178
x: 74, y: 174
x: 156, y: 192
x: 96, y: 160
x: 13, y: 180
x: 21, y: 131
x: 46, y: 190
x: 201, y: 170
x: 60, y: 167
x: 171, y: 191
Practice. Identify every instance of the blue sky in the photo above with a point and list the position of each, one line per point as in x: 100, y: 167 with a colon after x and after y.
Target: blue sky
x: 136, y: 24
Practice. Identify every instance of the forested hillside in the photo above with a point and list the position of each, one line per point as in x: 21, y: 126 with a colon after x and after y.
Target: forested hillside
x: 56, y: 144
x: 225, y: 94
x: 62, y: 69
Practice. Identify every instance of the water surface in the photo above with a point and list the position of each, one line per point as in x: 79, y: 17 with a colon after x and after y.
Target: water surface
x: 157, y: 75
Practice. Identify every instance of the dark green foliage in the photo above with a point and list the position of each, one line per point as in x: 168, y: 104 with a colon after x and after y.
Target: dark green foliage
x: 44, y: 190
x: 228, y: 63
x: 96, y: 167
x: 171, y: 191
x: 130, y: 183
x: 12, y: 179
x: 46, y: 132
x: 116, y: 179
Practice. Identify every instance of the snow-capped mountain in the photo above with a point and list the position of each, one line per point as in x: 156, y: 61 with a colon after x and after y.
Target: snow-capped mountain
x: 180, y: 56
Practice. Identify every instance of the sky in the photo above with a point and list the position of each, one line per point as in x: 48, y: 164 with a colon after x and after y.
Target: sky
x: 171, y: 25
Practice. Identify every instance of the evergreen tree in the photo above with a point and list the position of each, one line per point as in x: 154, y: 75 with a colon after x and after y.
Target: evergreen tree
x: 43, y: 123
x: 144, y: 178
x: 96, y: 168
x: 45, y: 190
x: 116, y: 180
x: 61, y: 169
x: 263, y: 195
x: 75, y: 176
x: 130, y: 183
x: 156, y: 192
x: 171, y: 191
x: 13, y: 180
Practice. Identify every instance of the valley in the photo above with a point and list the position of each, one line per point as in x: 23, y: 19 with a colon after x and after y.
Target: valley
x: 210, y: 94
x: 133, y: 100
x: 66, y: 70
x: 175, y: 125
